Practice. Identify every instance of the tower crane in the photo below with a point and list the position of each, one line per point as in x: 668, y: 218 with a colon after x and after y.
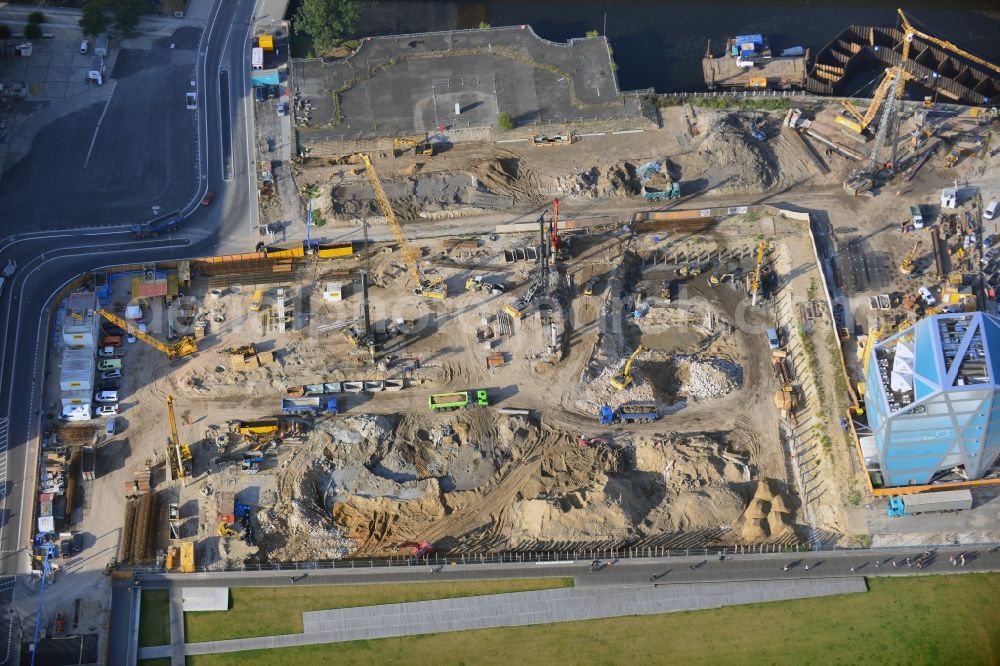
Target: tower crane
x: 177, y: 452
x: 755, y: 282
x: 184, y: 347
x: 909, y: 32
x: 624, y: 380
x: 430, y: 288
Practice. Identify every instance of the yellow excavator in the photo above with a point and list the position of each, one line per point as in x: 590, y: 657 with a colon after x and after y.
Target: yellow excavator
x: 420, y: 146
x: 624, y: 380
x: 184, y: 347
x: 430, y: 288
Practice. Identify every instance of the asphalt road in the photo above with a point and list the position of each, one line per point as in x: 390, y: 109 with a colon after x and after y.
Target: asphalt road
x: 49, y: 260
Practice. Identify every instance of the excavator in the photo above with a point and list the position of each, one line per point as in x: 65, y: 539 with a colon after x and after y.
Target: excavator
x: 624, y: 380
x: 436, y: 288
x: 907, y: 265
x: 420, y: 146
x: 185, y: 347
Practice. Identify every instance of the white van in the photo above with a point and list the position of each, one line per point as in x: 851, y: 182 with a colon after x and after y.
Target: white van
x: 84, y: 47
x: 76, y: 413
x: 991, y: 211
x: 772, y: 339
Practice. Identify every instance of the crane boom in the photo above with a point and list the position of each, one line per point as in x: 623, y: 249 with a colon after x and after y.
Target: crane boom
x: 755, y: 285
x: 623, y: 380
x: 186, y: 346
x: 174, y: 439
x: 435, y: 289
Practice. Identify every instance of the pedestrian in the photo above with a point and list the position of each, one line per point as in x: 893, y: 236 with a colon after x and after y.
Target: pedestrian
x: 784, y: 568
x: 652, y: 578
x: 920, y: 564
x: 963, y: 559
x: 807, y: 567
x: 876, y: 564
x: 909, y: 563
x: 293, y: 579
x: 952, y: 560
x: 852, y: 570
x: 894, y: 565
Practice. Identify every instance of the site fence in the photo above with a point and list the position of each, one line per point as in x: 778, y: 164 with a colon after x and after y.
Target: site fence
x: 552, y: 557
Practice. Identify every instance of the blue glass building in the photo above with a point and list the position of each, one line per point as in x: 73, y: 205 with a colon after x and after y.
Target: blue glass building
x: 932, y: 395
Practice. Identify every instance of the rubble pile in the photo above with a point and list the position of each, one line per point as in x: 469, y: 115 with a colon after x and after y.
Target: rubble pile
x: 730, y: 147
x: 708, y: 378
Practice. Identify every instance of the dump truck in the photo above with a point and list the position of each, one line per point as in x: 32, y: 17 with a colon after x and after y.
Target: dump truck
x: 932, y: 502
x: 309, y: 405
x: 440, y: 402
x: 636, y: 412
x: 160, y: 225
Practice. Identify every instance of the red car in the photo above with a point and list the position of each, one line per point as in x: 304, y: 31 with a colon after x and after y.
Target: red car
x: 208, y: 198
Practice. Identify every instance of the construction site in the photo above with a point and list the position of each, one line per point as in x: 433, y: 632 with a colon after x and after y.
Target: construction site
x: 657, y: 337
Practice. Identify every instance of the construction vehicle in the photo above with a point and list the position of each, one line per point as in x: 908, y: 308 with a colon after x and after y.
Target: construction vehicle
x: 908, y: 264
x: 555, y: 240
x: 786, y: 399
x: 637, y: 412
x: 863, y: 120
x: 48, y: 553
x: 909, y: 32
x: 178, y: 455
x: 932, y: 502
x: 860, y: 181
x: 624, y: 380
x: 422, y: 146
x: 436, y: 288
x: 443, y: 402
x: 257, y: 300
x: 185, y: 347
x: 715, y: 280
x: 226, y: 530
x: 543, y: 141
x: 755, y: 280
x: 591, y: 286
x: 478, y: 283
x: 309, y: 405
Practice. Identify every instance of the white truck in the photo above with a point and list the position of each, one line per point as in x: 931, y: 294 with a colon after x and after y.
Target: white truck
x: 8, y: 271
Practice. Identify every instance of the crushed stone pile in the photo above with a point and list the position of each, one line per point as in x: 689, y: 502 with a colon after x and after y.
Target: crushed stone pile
x: 600, y: 392
x: 708, y: 378
x: 731, y: 148
x: 616, y: 180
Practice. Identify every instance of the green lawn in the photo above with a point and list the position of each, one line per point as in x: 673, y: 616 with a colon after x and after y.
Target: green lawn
x: 154, y: 618
x: 911, y: 621
x: 268, y: 611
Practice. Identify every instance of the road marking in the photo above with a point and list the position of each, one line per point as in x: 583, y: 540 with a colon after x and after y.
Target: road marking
x: 98, y: 128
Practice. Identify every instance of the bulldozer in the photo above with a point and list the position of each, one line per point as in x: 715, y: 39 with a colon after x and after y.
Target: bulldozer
x: 226, y: 530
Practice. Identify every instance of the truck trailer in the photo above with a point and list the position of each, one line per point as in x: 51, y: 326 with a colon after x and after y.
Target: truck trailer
x: 440, y: 402
x: 160, y: 225
x: 309, y: 405
x: 932, y: 502
x: 636, y: 412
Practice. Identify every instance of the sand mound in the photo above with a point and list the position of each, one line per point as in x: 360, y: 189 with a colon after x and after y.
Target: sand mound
x: 768, y: 516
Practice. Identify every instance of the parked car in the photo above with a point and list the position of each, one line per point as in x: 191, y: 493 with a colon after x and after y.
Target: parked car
x: 272, y: 92
x: 107, y: 410
x: 207, y: 199
x: 111, y: 374
x: 258, y: 94
x: 282, y: 109
x: 78, y: 542
x: 66, y: 548
x: 990, y: 240
x: 75, y: 413
x: 106, y: 397
x: 989, y: 255
x: 928, y: 297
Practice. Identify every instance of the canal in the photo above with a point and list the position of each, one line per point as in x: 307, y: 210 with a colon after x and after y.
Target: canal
x: 660, y: 44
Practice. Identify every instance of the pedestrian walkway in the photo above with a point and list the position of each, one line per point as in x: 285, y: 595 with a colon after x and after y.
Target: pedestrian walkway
x: 176, y: 605
x: 521, y: 608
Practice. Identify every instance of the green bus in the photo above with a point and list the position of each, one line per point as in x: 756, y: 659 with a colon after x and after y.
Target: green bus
x: 440, y: 402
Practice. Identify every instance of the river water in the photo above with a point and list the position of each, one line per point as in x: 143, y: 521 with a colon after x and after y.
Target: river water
x: 660, y: 44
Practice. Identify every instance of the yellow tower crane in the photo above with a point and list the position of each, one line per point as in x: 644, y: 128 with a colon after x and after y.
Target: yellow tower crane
x: 178, y: 455
x: 624, y: 380
x: 184, y: 347
x: 909, y: 32
x: 755, y: 283
x: 425, y: 287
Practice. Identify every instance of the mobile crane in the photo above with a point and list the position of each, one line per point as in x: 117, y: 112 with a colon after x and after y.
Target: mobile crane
x: 178, y: 455
x: 624, y: 380
x: 907, y: 265
x: 184, y: 347
x: 755, y: 281
x: 863, y: 120
x: 430, y: 288
x: 909, y: 32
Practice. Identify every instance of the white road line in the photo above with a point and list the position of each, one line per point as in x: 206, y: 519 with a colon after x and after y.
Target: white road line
x: 98, y: 129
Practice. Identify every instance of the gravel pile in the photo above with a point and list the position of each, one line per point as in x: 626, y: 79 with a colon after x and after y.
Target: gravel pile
x: 709, y: 378
x: 730, y: 146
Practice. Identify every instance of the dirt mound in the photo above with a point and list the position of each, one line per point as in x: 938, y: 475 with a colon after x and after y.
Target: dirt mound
x: 730, y: 146
x: 507, y: 175
x: 616, y: 180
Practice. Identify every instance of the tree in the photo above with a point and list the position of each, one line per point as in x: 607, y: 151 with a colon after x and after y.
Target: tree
x: 36, y: 17
x: 483, y: 25
x: 326, y: 21
x: 95, y: 19
x: 127, y: 15
x: 33, y: 31
x: 505, y: 121
x: 5, y: 32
